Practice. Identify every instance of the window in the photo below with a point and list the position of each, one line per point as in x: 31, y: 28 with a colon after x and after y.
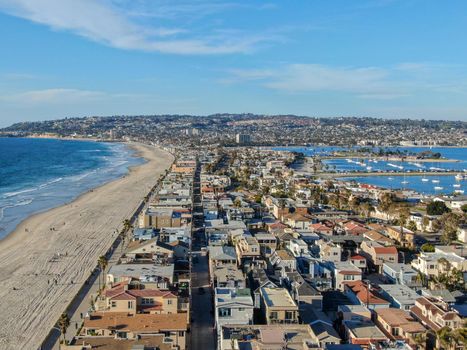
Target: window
x: 273, y: 315
x: 169, y: 302
x: 223, y: 312
x: 289, y: 315
x: 241, y: 309
x: 395, y: 331
x: 114, y: 304
x: 130, y: 305
x: 181, y: 333
x: 348, y: 277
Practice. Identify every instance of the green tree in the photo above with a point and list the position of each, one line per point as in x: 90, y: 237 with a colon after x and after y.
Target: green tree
x: 427, y: 248
x: 63, y: 324
x: 420, y: 340
x: 386, y: 201
x: 403, y: 214
x: 464, y: 208
x: 450, y: 224
x: 412, y: 226
x: 102, y: 262
x: 127, y: 226
x: 437, y: 208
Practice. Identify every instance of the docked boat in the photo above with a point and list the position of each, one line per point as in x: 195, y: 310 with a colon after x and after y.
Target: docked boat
x: 438, y: 188
x: 460, y: 177
x: 404, y: 182
x: 459, y: 191
x: 425, y: 179
x: 435, y: 181
x: 456, y: 185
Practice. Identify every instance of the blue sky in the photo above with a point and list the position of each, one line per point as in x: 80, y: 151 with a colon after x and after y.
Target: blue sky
x: 380, y: 58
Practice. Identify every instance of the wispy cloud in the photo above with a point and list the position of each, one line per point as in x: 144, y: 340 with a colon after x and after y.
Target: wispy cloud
x: 53, y: 96
x: 364, y: 82
x: 109, y: 22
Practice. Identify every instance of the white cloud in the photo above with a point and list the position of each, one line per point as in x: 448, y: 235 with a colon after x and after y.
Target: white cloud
x: 53, y: 96
x: 364, y: 82
x: 110, y: 23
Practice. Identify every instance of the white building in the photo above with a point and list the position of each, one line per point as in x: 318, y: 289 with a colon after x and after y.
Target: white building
x: 233, y: 306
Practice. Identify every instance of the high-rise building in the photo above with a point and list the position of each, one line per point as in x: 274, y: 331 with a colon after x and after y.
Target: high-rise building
x: 243, y: 138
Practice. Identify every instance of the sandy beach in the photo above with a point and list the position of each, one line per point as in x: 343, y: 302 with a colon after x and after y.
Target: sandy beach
x: 80, y: 232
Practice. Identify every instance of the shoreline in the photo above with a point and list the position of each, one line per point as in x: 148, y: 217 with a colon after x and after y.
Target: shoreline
x: 105, y: 180
x: 78, y: 232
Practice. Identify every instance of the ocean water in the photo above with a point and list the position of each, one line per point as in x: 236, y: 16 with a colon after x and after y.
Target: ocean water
x: 40, y: 174
x: 436, y: 184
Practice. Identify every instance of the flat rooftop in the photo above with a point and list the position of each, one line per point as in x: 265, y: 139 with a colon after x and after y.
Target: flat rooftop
x: 278, y: 298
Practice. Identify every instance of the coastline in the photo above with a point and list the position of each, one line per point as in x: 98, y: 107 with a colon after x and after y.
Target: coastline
x: 80, y: 231
x: 65, y: 187
x: 137, y: 154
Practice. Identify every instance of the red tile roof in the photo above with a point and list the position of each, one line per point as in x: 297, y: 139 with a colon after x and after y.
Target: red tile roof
x: 385, y: 250
x: 360, y: 289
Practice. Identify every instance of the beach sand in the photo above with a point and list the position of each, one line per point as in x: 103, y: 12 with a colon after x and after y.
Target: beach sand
x: 82, y: 231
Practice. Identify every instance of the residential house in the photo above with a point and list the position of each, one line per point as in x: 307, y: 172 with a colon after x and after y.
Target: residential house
x: 400, y: 296
x: 398, y: 324
x: 247, y: 248
x: 150, y: 249
x: 131, y: 301
x: 303, y: 292
x: 263, y: 337
x: 359, y: 261
x: 232, y: 306
x: 399, y: 273
x: 229, y: 276
x: 152, y: 276
x: 404, y: 236
x: 125, y: 327
x: 362, y: 293
x: 325, y: 334
x: 433, y: 264
x: 266, y: 240
x: 435, y: 315
x: 221, y: 256
x: 345, y: 271
x: 329, y: 251
x: 378, y: 254
x: 364, y: 333
x: 278, y: 306
x: 353, y: 313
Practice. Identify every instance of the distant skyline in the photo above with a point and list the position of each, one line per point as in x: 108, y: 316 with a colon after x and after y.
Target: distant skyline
x: 328, y: 58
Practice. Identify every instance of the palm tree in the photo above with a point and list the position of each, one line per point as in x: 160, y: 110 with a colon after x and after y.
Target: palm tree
x: 421, y: 278
x: 102, y: 262
x: 444, y: 337
x: 127, y: 225
x: 420, y: 340
x: 445, y: 264
x: 403, y: 214
x: 63, y: 324
x: 122, y: 239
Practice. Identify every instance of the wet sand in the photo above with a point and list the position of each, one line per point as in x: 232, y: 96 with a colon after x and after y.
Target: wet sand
x: 48, y: 251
